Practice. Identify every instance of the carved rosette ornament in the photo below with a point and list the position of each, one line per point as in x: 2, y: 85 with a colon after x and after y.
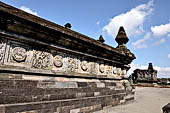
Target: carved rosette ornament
x: 41, y: 60
x: 102, y: 68
x: 19, y: 54
x: 84, y: 66
x: 58, y: 61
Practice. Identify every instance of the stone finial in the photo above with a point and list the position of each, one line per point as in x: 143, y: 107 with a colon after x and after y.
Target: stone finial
x: 150, y: 67
x: 121, y: 37
x: 101, y: 39
x: 68, y: 25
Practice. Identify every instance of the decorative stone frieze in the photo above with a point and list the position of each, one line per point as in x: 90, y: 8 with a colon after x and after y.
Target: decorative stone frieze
x: 55, y: 69
x: 40, y: 60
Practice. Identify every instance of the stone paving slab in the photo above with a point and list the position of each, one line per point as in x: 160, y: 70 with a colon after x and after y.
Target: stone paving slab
x: 147, y: 100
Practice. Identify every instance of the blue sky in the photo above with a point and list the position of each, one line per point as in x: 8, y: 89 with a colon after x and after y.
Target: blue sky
x: 146, y: 22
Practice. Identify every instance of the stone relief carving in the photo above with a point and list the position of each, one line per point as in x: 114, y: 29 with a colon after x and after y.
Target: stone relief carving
x: 102, y: 68
x: 114, y: 70
x: 124, y: 73
x: 58, y: 61
x: 93, y: 68
x: 118, y: 71
x: 72, y: 64
x: 40, y: 60
x: 84, y: 66
x: 1, y: 51
x: 19, y: 54
x: 69, y: 63
x: 109, y: 70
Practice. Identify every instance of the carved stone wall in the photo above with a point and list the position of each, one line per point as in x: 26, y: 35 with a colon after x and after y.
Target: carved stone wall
x: 47, y: 68
x: 145, y: 76
x: 20, y: 54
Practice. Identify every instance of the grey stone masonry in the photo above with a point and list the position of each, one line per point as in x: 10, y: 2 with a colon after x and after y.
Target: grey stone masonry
x: 48, y: 68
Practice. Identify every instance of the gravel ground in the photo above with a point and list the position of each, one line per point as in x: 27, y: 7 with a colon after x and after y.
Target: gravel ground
x: 147, y: 100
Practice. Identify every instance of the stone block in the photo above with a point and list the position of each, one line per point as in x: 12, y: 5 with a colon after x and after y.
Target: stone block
x: 166, y: 108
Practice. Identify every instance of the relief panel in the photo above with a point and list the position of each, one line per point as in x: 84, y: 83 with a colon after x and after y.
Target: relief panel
x: 2, y: 51
x: 124, y: 73
x: 41, y: 59
x: 18, y: 53
x: 93, y: 68
x: 118, y: 72
x: 71, y: 64
x: 109, y: 70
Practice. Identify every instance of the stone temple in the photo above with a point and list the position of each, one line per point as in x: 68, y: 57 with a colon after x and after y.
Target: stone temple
x: 145, y: 76
x: 48, y: 68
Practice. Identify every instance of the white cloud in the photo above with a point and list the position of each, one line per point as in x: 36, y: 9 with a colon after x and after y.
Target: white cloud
x: 163, y: 29
x: 161, y: 41
x: 169, y: 55
x: 162, y: 71
x: 168, y: 35
x: 28, y: 10
x: 132, y: 20
x: 141, y: 42
x: 98, y: 22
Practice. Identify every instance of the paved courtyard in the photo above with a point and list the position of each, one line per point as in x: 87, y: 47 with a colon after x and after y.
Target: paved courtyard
x: 147, y: 100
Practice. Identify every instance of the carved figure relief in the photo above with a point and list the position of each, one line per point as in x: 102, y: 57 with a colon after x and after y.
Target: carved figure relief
x: 109, y: 70
x: 1, y: 51
x: 19, y: 54
x: 102, y: 68
x: 72, y: 64
x: 41, y: 60
x: 93, y: 68
x: 118, y: 71
x: 84, y: 66
x: 114, y: 70
x: 124, y: 73
x: 58, y: 61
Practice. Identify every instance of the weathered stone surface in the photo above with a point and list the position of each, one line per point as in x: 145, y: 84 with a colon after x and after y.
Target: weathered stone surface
x: 166, y: 108
x: 145, y: 76
x: 47, y: 68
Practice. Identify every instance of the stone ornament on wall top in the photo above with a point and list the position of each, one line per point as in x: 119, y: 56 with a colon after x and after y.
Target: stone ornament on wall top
x: 102, y: 68
x: 19, y: 54
x: 58, y: 61
x: 84, y: 66
x: 41, y: 60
